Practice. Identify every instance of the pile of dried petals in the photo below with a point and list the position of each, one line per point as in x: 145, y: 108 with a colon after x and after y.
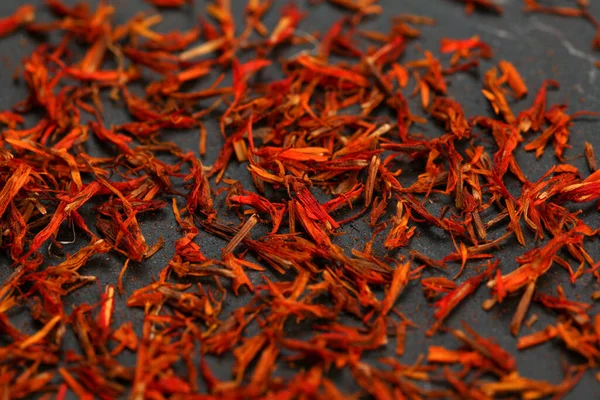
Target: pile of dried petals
x: 321, y: 153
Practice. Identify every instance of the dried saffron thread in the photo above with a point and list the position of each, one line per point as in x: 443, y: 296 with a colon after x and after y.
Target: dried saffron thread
x: 302, y: 300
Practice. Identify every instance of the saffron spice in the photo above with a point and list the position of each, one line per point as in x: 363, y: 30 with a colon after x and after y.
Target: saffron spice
x: 310, y: 174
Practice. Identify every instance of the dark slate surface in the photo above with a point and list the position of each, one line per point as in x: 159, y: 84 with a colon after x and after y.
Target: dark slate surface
x: 540, y: 46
